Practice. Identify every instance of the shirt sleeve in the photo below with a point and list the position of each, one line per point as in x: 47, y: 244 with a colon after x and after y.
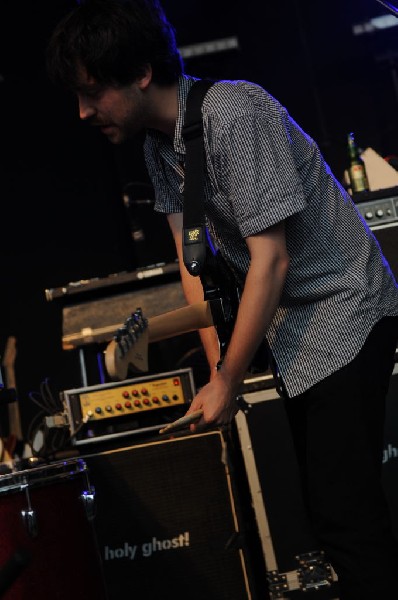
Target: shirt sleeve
x: 262, y: 181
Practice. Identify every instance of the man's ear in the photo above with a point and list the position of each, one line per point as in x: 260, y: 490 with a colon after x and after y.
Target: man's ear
x: 145, y: 79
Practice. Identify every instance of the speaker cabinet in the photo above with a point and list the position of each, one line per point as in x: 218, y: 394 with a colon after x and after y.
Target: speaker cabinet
x: 387, y: 237
x: 380, y: 210
x: 390, y: 453
x: 167, y: 522
x: 294, y: 562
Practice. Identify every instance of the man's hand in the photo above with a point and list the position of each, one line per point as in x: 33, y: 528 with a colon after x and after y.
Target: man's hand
x: 217, y: 399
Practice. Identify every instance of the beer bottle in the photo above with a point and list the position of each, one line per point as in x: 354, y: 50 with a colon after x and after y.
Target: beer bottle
x: 356, y: 168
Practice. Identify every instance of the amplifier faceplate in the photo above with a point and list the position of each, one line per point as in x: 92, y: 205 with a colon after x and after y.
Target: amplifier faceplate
x: 113, y: 409
x: 379, y: 212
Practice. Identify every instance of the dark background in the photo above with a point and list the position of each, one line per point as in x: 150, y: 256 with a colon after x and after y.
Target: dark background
x: 62, y: 215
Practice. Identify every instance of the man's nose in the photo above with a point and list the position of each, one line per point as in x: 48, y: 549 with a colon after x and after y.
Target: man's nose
x: 86, y: 109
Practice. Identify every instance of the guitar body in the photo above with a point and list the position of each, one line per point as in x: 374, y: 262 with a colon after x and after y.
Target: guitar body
x: 222, y: 292
x: 219, y: 281
x: 129, y: 348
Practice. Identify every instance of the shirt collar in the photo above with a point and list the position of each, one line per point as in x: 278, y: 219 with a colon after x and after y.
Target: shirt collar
x: 174, y: 151
x: 184, y: 85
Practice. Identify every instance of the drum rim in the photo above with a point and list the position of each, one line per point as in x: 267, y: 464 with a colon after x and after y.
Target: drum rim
x: 42, y: 474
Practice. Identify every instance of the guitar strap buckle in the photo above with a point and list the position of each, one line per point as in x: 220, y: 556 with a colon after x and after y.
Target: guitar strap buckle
x: 194, y: 249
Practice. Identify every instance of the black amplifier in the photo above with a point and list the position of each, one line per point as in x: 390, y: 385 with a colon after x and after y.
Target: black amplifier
x: 108, y: 411
x: 380, y: 211
x: 378, y: 208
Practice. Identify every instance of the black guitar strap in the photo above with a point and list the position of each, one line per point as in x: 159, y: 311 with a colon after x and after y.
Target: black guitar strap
x: 194, y: 229
x: 194, y: 233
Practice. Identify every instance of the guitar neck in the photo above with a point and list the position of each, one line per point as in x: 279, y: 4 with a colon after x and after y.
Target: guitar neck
x: 179, y: 321
x: 161, y: 327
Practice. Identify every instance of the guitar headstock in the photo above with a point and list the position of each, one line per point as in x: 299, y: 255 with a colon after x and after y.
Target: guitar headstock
x: 129, y: 347
x: 10, y: 391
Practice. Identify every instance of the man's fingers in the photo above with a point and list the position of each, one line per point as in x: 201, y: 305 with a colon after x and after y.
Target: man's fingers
x: 183, y: 421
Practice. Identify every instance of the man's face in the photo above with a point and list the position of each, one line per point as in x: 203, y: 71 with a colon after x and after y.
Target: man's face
x: 120, y: 112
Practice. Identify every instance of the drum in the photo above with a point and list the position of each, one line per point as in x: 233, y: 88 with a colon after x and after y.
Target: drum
x: 47, y: 542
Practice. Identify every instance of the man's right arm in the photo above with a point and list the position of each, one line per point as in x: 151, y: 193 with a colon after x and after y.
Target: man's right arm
x: 193, y: 292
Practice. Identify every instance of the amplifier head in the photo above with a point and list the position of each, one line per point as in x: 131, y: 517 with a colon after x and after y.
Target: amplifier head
x: 380, y: 211
x: 106, y: 411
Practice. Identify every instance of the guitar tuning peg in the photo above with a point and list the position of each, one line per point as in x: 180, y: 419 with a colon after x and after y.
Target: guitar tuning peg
x: 121, y: 339
x: 139, y: 316
x: 140, y: 320
x: 120, y: 346
x: 130, y: 323
x: 130, y: 331
x: 134, y: 321
x: 118, y: 335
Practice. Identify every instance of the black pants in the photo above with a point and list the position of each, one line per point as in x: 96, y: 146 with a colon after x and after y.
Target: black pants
x: 338, y: 427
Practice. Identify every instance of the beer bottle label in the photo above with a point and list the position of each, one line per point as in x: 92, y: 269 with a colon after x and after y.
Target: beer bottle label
x: 358, y: 178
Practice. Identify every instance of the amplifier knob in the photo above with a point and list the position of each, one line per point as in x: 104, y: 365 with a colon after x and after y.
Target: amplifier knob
x: 379, y: 212
x: 368, y: 215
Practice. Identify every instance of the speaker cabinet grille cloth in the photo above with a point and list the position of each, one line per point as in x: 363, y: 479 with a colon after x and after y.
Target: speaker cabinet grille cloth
x: 166, y: 521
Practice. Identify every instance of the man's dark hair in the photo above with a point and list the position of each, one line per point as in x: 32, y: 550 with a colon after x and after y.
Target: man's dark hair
x: 114, y: 40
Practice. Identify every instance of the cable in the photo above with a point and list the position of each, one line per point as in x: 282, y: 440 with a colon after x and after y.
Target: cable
x: 45, y: 441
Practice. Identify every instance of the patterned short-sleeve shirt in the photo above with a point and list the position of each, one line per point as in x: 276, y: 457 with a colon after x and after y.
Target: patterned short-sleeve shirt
x: 261, y: 169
